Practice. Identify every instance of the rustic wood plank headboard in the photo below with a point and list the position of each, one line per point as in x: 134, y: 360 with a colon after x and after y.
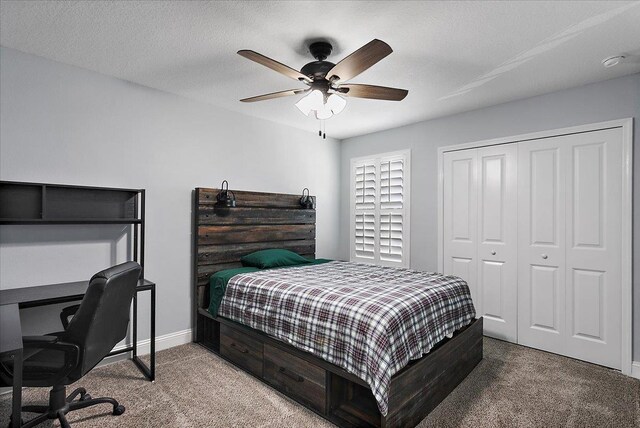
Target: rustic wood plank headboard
x: 259, y: 221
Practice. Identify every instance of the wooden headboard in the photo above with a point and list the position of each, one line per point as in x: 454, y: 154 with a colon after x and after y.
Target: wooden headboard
x: 259, y: 221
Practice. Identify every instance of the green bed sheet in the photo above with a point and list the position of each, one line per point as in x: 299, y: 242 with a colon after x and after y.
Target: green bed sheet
x: 219, y: 280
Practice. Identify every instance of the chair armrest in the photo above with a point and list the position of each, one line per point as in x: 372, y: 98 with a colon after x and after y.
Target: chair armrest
x: 66, y: 313
x: 71, y: 352
x: 38, y: 339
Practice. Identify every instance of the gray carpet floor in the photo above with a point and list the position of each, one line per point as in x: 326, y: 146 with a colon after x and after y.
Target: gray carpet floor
x: 512, y: 386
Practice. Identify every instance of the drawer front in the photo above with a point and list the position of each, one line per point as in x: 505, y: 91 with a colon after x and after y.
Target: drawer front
x: 296, y: 377
x: 241, y: 349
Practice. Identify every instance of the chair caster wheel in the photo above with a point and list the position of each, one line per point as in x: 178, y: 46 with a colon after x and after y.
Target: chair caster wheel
x: 118, y: 410
x: 85, y: 397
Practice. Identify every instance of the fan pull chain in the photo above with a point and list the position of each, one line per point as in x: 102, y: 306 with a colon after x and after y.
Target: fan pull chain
x: 321, y: 132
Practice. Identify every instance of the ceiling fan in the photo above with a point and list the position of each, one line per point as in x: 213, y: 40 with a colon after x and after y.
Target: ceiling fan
x: 326, y: 80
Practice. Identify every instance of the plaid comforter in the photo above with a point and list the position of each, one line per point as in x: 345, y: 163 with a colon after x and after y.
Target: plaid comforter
x: 368, y: 320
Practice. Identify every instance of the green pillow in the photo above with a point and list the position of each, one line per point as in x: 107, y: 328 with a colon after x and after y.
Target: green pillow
x: 265, y: 259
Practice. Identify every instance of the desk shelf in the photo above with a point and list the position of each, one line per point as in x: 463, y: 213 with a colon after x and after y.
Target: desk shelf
x: 70, y: 221
x: 38, y: 203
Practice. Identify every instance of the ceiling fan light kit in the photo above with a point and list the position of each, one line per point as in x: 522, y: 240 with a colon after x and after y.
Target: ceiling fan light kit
x: 325, y: 80
x: 321, y: 105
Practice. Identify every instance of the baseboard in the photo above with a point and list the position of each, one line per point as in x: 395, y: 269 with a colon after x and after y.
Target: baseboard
x: 163, y: 342
x: 635, y: 369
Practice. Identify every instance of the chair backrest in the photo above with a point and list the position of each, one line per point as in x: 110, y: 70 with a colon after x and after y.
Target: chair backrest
x: 102, y: 319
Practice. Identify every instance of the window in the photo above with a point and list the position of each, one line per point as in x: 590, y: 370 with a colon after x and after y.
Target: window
x: 380, y: 209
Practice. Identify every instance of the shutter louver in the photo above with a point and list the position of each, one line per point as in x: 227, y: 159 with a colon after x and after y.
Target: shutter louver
x: 391, y: 244
x: 365, y: 187
x: 391, y: 184
x: 365, y: 236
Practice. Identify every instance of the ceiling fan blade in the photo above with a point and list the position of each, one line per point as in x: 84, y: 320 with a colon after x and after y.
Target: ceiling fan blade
x: 274, y: 65
x: 373, y: 92
x: 359, y: 61
x: 274, y: 95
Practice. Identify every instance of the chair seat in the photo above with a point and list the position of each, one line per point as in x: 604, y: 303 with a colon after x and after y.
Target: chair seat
x: 39, y: 364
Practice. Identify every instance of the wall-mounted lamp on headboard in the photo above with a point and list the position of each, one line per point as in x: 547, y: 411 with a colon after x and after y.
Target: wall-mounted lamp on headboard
x: 306, y: 201
x: 225, y: 198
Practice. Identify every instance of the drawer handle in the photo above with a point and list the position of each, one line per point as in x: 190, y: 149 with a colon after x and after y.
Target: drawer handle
x: 293, y: 376
x: 244, y: 351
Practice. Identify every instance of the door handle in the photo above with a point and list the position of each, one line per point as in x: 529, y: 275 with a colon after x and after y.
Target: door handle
x: 493, y: 253
x: 544, y: 256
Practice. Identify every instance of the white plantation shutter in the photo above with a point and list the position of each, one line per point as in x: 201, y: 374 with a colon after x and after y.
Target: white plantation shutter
x: 365, y: 186
x: 391, y: 237
x: 365, y: 236
x: 391, y: 191
x: 365, y: 205
x: 380, y: 209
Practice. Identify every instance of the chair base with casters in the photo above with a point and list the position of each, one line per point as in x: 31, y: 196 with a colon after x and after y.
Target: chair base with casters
x: 60, y: 405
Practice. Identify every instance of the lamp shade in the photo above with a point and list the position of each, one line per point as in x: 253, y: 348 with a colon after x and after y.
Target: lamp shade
x: 336, y: 103
x: 313, y: 101
x: 323, y: 113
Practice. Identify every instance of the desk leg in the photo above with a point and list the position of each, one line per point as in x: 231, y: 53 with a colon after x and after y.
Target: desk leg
x: 148, y: 371
x: 135, y: 325
x: 16, y: 408
x: 153, y: 334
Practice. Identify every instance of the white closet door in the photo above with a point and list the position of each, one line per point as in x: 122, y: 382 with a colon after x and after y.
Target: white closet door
x: 480, y: 231
x: 541, y: 249
x: 569, y: 236
x: 594, y: 246
x: 497, y: 278
x: 460, y: 218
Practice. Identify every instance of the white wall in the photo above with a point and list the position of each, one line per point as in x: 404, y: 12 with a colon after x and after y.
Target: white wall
x: 62, y: 124
x: 612, y: 99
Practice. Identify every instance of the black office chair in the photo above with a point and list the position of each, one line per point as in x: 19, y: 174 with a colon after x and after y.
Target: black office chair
x: 59, y: 359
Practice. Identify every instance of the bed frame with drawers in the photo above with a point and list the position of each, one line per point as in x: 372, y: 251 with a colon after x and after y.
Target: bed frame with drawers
x: 271, y: 220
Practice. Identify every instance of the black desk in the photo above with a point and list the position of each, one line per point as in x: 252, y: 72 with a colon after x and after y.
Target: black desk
x: 11, y: 331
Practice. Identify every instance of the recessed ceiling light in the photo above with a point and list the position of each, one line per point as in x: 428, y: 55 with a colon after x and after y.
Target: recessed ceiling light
x: 612, y: 60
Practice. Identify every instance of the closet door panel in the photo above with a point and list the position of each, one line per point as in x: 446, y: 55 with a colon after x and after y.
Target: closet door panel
x: 541, y: 254
x: 593, y: 234
x: 497, y: 239
x: 492, y: 277
x: 460, y: 218
x: 543, y: 169
x: 545, y: 312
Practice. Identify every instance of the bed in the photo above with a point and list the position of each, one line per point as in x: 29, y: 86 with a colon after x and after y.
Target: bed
x: 314, y: 373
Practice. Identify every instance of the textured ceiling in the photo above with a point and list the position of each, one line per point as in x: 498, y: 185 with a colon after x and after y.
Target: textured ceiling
x: 451, y: 56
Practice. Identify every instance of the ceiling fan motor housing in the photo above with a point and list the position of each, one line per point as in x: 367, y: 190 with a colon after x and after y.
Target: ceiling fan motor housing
x: 318, y: 69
